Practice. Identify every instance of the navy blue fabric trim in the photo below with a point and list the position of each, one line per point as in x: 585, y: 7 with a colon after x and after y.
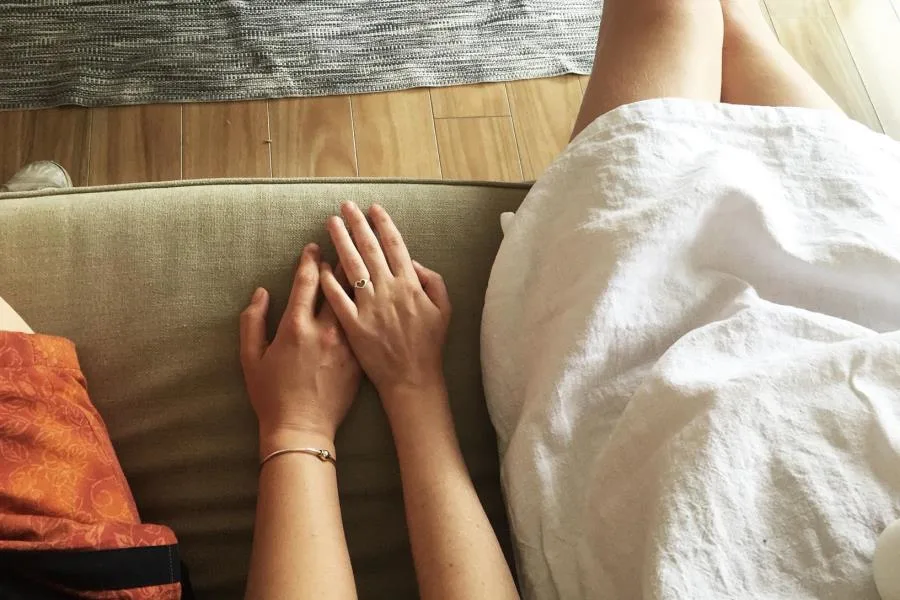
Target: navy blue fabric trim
x: 94, y: 570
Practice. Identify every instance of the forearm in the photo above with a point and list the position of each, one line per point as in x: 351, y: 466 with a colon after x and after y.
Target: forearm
x: 299, y: 548
x: 455, y: 549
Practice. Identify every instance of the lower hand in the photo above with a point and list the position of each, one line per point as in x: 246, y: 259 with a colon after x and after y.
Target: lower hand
x: 397, y: 323
x: 302, y: 384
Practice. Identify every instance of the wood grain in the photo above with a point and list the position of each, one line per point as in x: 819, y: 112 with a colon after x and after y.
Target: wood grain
x: 479, y: 149
x: 18, y: 131
x: 810, y: 32
x: 136, y: 143
x: 480, y: 100
x: 544, y: 112
x: 59, y: 134
x: 872, y: 32
x: 765, y: 11
x: 395, y: 135
x: 226, y: 139
x: 583, y: 80
x: 312, y: 137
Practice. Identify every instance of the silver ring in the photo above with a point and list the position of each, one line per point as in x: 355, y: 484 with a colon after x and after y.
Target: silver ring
x: 362, y: 283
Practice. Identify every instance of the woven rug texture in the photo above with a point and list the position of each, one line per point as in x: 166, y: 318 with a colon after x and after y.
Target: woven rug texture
x: 107, y: 52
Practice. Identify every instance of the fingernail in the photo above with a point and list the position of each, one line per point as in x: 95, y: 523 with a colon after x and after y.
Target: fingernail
x: 311, y: 248
x: 257, y: 295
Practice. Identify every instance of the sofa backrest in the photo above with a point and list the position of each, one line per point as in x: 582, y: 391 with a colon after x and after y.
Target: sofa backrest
x: 149, y: 280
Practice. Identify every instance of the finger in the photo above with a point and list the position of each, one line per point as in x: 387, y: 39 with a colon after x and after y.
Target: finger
x: 341, y: 276
x: 346, y: 249
x: 336, y: 296
x: 366, y: 242
x: 326, y: 315
x: 392, y: 242
x: 301, y: 306
x: 434, y: 287
x: 253, y: 328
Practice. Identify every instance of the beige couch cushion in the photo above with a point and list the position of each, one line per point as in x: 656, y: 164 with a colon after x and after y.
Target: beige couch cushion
x: 149, y: 282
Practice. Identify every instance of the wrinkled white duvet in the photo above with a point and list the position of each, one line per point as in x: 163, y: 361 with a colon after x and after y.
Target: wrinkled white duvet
x: 691, y: 348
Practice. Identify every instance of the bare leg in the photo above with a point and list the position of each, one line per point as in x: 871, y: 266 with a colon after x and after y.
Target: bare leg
x: 757, y: 69
x: 10, y: 319
x: 655, y: 49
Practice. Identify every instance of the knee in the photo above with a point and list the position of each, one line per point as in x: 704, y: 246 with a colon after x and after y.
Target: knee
x: 669, y: 13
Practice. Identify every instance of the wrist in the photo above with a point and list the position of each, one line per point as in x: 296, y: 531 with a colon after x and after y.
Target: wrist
x: 272, y: 440
x: 421, y: 410
x: 422, y: 427
x: 408, y: 390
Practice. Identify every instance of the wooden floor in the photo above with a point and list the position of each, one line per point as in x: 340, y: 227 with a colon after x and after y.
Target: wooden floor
x: 493, y: 131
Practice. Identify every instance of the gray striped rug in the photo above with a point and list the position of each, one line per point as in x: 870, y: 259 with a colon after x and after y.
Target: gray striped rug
x: 103, y: 52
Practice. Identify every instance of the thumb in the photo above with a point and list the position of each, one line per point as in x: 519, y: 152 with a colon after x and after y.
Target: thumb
x: 434, y: 287
x: 253, y: 328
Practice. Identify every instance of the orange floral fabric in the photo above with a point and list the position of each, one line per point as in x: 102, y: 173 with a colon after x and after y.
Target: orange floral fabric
x: 61, y: 486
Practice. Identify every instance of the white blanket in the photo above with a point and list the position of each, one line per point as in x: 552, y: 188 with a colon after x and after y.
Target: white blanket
x: 691, y: 348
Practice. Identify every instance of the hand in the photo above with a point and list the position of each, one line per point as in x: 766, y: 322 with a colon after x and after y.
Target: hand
x: 303, y: 383
x: 398, y: 323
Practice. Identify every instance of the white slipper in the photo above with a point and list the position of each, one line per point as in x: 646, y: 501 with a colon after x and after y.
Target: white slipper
x: 40, y: 175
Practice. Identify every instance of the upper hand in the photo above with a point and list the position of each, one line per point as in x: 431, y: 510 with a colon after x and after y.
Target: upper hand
x: 396, y: 324
x: 303, y: 383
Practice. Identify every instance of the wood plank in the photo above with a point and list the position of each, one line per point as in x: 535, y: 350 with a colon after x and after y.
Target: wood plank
x: 226, y: 139
x: 871, y: 29
x: 810, y: 32
x: 135, y: 144
x: 64, y: 135
x: 312, y: 137
x: 60, y: 134
x: 584, y: 80
x: 544, y: 112
x: 18, y: 131
x: 765, y: 11
x: 479, y: 100
x: 479, y: 148
x: 395, y: 135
